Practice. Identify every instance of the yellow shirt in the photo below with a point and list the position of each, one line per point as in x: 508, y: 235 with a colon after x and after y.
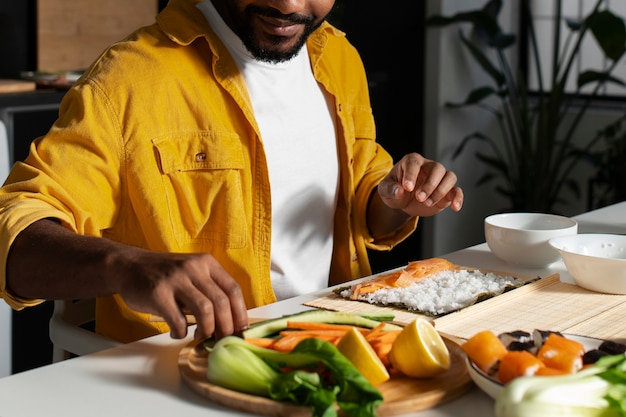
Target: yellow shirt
x: 157, y: 146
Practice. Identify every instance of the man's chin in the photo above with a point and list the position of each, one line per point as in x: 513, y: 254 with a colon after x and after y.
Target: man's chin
x: 275, y: 52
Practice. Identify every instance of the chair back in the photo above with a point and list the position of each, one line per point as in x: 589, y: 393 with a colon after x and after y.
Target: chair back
x: 70, y: 333
x: 5, y: 158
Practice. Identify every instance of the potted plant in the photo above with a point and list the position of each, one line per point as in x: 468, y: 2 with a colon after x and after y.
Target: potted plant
x: 532, y: 158
x: 608, y: 185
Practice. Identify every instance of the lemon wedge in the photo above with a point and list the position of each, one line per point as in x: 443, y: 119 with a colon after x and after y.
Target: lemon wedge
x: 419, y: 351
x: 357, y: 349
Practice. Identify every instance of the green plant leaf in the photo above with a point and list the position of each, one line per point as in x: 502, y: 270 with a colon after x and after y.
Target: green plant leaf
x: 497, y: 39
x: 494, y: 163
x: 489, y: 176
x: 507, y: 193
x: 473, y: 136
x: 610, y: 32
x: 574, y: 187
x: 591, y: 76
x: 503, y: 40
x: 476, y: 17
x: 492, y: 8
x: 475, y: 96
x: 574, y: 24
x: 483, y: 61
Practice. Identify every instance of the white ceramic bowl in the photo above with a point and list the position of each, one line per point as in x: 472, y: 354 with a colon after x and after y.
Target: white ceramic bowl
x: 596, y: 262
x: 489, y: 385
x: 522, y: 238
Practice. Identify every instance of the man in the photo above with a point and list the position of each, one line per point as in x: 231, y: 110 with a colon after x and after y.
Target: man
x: 218, y: 160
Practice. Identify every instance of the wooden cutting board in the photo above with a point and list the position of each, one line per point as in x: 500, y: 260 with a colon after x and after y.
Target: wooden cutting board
x: 401, y: 394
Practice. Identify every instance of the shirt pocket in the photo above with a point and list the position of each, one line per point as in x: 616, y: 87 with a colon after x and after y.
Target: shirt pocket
x: 201, y: 173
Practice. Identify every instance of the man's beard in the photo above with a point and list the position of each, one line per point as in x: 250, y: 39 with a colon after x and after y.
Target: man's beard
x: 274, y: 55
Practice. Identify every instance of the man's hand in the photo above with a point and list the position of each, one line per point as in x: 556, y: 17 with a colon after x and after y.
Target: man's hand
x: 420, y: 187
x: 171, y: 285
x: 48, y: 261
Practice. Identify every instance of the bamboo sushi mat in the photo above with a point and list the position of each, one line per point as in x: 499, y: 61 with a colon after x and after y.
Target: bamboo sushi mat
x: 546, y: 304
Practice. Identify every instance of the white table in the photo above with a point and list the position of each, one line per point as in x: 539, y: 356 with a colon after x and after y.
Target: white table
x: 142, y: 378
x: 5, y: 310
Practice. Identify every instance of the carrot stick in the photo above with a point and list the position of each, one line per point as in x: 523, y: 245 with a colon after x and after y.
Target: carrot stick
x: 381, y: 341
x: 288, y: 342
x: 383, y: 337
x: 375, y: 331
x: 305, y: 325
x: 382, y: 351
x: 289, y: 339
x: 265, y: 342
x: 314, y: 333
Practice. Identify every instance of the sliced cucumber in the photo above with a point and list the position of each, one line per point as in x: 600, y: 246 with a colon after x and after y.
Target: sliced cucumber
x: 378, y: 316
x: 273, y: 326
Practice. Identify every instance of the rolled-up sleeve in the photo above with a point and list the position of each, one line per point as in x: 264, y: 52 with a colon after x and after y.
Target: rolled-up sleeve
x: 75, y: 180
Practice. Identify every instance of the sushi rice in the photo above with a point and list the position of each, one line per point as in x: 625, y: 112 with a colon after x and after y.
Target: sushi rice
x: 442, y: 292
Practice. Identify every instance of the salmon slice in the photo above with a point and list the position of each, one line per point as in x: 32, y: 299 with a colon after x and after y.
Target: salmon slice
x: 486, y: 350
x: 426, y: 267
x: 412, y: 273
x: 562, y: 353
x: 518, y: 363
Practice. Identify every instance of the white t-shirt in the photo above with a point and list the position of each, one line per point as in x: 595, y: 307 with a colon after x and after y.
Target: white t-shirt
x: 296, y: 121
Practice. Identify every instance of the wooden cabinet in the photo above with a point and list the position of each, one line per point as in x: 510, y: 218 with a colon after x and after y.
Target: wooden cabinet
x: 72, y: 33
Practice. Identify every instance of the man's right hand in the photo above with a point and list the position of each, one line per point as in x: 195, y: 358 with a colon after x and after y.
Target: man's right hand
x: 171, y: 285
x: 48, y: 261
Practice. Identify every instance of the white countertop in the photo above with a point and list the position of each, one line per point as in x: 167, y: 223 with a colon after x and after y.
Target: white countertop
x: 5, y: 310
x: 142, y: 378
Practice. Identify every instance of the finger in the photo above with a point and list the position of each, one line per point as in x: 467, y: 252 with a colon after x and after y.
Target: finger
x: 402, y: 178
x: 218, y: 305
x: 174, y: 317
x: 233, y: 317
x: 390, y: 189
x: 201, y: 306
x: 411, y: 167
x: 457, y: 198
x: 239, y: 310
x: 437, y: 187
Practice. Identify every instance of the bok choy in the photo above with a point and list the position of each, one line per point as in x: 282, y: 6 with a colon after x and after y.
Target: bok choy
x: 597, y: 391
x: 314, y: 374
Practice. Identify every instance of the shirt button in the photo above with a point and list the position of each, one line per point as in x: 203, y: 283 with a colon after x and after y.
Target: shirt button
x: 200, y: 157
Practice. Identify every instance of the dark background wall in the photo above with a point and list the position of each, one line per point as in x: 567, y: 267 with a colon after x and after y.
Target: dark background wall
x: 18, y: 37
x: 391, y: 43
